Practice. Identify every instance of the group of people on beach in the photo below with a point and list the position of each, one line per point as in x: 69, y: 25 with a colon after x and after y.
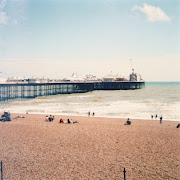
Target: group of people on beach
x: 6, y: 116
x: 156, y: 116
x: 89, y: 113
x: 62, y: 121
x: 67, y: 122
x: 49, y: 118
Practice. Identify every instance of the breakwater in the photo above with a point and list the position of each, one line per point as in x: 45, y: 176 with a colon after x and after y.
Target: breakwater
x: 32, y: 90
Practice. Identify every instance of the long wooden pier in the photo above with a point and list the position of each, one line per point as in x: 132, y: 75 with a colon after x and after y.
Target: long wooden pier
x: 32, y: 90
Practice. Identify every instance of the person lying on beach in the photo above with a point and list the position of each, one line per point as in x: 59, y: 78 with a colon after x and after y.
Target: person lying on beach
x: 128, y: 122
x: 19, y: 117
x: 75, y: 122
x: 61, y: 121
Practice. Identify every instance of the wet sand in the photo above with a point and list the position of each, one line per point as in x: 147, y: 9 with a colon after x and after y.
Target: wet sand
x: 93, y: 148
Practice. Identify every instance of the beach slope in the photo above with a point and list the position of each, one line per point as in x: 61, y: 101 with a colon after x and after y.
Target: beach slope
x: 93, y: 148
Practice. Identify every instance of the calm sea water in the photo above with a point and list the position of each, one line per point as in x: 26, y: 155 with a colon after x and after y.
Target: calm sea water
x: 161, y: 98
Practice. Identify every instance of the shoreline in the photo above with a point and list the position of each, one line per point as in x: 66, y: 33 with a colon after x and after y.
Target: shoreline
x: 85, y: 119
x: 108, y: 117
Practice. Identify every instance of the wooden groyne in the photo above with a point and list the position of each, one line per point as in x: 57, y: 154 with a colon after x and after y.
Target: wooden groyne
x: 32, y: 90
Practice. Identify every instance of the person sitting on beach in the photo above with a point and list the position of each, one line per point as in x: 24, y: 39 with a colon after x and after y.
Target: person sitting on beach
x: 61, y: 121
x: 50, y: 118
x: 46, y: 118
x: 68, y: 121
x: 128, y: 122
x: 3, y: 118
x: 6, y: 117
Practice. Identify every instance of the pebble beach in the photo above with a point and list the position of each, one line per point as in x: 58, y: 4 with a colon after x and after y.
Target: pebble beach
x: 93, y: 148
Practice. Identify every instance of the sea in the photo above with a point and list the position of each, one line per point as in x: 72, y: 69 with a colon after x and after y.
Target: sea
x: 161, y: 98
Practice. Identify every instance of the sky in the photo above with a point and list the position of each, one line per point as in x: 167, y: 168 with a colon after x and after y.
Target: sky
x: 56, y: 38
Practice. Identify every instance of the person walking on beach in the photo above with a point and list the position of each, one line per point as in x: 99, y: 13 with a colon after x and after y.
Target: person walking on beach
x: 93, y: 114
x: 161, y: 120
x: 89, y: 113
x: 156, y: 116
x: 151, y: 116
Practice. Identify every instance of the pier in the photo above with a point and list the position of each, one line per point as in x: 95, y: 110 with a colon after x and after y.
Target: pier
x: 33, y: 90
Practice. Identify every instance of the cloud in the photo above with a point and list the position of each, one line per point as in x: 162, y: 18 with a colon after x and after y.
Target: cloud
x: 2, y: 4
x: 153, y: 13
x: 12, y: 12
x: 3, y: 15
x: 17, y: 12
x: 3, y: 18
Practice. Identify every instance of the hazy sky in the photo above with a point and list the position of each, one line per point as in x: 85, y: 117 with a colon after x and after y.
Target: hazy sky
x: 55, y: 38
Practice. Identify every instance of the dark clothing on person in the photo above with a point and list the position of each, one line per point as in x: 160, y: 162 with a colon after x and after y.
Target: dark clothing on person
x: 3, y: 118
x: 128, y: 122
x: 50, y: 118
x: 6, y: 117
x: 178, y: 126
x: 68, y: 121
x: 161, y: 120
